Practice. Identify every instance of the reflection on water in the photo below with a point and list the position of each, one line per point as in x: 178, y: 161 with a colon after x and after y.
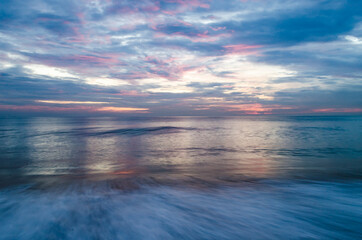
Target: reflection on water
x: 202, y: 147
x: 234, y: 177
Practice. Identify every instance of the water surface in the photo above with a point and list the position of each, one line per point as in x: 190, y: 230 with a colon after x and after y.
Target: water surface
x: 181, y: 178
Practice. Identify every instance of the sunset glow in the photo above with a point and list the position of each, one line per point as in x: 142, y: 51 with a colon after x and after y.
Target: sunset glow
x: 180, y: 119
x: 158, y: 57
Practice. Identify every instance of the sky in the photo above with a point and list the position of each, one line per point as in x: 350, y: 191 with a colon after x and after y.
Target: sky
x: 180, y: 57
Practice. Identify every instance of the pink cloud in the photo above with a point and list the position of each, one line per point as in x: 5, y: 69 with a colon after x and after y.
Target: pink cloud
x: 132, y: 93
x: 200, y: 37
x: 168, y: 68
x: 242, y: 49
x: 81, y: 17
x: 142, y: 7
x: 249, y: 108
x: 184, y: 22
x: 124, y: 10
x: 121, y: 109
x: 107, y: 59
x: 78, y: 37
x: 218, y: 28
x: 151, y: 8
x: 190, y: 3
x: 77, y: 63
x: 184, y: 5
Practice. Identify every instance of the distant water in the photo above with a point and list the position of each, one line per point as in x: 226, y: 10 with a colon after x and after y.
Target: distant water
x: 181, y: 178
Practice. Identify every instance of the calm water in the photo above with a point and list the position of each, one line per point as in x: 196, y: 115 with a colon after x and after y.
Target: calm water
x: 181, y: 178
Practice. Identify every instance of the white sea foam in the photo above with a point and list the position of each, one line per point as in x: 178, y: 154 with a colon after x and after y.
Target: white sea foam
x: 272, y: 210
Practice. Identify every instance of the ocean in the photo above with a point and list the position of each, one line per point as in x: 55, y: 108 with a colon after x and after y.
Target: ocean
x: 250, y: 177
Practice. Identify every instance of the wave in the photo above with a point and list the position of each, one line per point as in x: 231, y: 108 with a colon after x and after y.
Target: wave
x: 271, y: 210
x: 94, y: 131
x: 143, y: 131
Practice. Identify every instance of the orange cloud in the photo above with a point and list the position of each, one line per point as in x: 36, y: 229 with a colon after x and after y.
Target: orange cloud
x: 32, y: 108
x: 121, y: 109
x: 251, y: 108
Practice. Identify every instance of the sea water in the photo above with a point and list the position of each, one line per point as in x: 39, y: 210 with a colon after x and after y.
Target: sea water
x: 255, y: 177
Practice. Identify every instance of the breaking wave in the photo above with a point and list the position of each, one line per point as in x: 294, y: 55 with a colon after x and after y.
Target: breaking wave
x: 143, y: 131
x: 264, y: 210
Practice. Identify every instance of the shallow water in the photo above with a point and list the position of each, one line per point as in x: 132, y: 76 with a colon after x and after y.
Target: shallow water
x: 181, y: 178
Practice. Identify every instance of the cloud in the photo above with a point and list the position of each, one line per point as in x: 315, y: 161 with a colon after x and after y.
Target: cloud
x: 69, y: 102
x: 184, y: 57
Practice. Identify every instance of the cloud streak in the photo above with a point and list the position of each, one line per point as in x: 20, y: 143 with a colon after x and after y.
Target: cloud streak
x: 181, y: 57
